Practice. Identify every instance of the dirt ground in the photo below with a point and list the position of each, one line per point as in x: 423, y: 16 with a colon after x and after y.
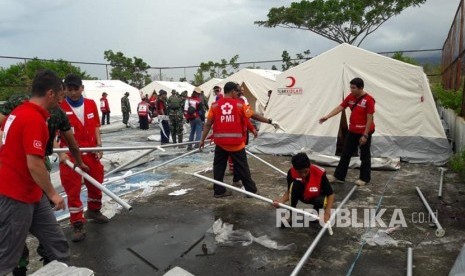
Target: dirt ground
x: 163, y: 231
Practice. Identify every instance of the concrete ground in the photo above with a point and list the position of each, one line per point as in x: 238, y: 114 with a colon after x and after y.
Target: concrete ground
x: 164, y: 231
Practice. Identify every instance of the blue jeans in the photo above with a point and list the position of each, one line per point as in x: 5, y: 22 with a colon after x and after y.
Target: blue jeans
x: 196, y: 129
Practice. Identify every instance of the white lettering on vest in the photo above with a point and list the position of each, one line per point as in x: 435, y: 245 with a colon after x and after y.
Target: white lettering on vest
x: 227, y: 118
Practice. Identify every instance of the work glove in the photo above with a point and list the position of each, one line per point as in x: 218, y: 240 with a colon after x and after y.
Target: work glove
x: 277, y: 126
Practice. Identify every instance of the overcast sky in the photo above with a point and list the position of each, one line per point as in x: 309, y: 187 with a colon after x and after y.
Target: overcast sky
x: 186, y: 32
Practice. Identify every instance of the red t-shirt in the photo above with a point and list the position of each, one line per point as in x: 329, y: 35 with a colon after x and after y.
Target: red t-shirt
x: 358, y: 117
x: 25, y: 133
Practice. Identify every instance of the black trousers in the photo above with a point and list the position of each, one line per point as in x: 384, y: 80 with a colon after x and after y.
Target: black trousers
x: 166, y: 127
x: 241, y: 167
x: 144, y: 122
x: 107, y: 116
x: 297, y: 194
x: 351, y: 144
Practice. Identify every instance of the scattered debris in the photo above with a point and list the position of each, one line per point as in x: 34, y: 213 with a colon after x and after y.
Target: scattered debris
x: 180, y: 192
x: 225, y: 235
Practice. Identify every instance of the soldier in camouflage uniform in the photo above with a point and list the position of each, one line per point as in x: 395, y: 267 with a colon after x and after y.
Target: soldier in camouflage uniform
x: 125, y: 108
x: 58, y: 121
x: 175, y: 111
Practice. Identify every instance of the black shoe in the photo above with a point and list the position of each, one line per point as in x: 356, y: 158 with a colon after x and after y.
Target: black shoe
x: 225, y: 194
x: 19, y: 271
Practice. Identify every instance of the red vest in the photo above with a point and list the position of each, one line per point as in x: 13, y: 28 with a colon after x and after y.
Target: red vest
x: 313, y: 186
x: 84, y: 134
x: 104, y: 105
x: 143, y: 109
x: 228, y: 124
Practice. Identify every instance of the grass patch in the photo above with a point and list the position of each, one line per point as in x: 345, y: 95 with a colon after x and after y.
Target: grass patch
x: 447, y: 98
x: 457, y: 163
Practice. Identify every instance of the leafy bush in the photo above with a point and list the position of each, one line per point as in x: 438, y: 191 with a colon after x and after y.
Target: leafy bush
x: 448, y: 98
x: 457, y: 163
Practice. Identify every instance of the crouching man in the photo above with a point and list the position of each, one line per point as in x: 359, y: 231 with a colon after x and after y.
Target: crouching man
x: 307, y: 183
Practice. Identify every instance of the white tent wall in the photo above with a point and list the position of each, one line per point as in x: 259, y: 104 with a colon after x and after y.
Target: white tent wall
x: 115, y: 89
x: 168, y: 86
x: 207, y: 87
x: 258, y: 82
x: 407, y: 123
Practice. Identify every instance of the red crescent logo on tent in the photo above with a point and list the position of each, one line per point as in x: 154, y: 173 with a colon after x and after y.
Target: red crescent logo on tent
x: 292, y: 81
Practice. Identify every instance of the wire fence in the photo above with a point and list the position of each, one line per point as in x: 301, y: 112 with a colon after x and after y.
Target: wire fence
x: 176, y: 73
x: 453, y: 51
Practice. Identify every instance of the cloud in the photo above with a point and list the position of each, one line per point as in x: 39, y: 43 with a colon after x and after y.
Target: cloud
x: 185, y: 32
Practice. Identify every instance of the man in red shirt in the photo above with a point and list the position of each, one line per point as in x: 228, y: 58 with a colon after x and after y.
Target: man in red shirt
x: 143, y: 112
x: 361, y: 128
x: 83, y: 117
x: 25, y: 183
x: 105, y: 108
x: 228, y: 117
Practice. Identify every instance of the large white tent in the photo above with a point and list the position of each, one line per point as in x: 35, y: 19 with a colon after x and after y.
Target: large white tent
x: 256, y: 83
x: 168, y: 86
x: 406, y: 119
x: 115, y: 89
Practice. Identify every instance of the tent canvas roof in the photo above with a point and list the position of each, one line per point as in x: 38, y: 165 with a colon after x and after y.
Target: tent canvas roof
x: 115, y: 89
x: 406, y: 119
x: 256, y: 82
x: 168, y: 86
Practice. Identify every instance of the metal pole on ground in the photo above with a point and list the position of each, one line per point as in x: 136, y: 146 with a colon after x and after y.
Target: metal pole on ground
x: 58, y: 150
x: 266, y: 163
x: 154, y: 167
x: 320, y: 234
x: 262, y: 198
x: 99, y: 185
x: 441, y: 181
x: 409, y: 261
x: 440, y: 232
x: 132, y: 161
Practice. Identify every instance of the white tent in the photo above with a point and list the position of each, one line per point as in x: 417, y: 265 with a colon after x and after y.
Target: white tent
x: 115, y: 89
x: 207, y: 87
x: 406, y: 119
x: 256, y: 83
x: 168, y: 86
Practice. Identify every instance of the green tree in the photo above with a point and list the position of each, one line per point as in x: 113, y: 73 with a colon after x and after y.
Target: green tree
x: 274, y: 67
x: 288, y: 62
x: 18, y: 77
x: 343, y: 21
x: 132, y: 71
x: 210, y: 69
x: 400, y: 56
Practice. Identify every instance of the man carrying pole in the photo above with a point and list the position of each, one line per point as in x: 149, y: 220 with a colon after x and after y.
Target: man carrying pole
x: 228, y: 116
x: 83, y: 116
x: 307, y: 183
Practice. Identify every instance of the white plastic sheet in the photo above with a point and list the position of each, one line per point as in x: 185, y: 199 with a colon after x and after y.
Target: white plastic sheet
x: 227, y: 236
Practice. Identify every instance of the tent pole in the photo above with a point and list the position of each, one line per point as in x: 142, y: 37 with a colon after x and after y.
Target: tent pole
x: 58, y: 150
x: 440, y: 232
x: 99, y: 185
x: 441, y: 180
x: 266, y: 163
x: 132, y: 161
x: 262, y: 198
x: 154, y: 167
x: 409, y: 261
x: 320, y: 234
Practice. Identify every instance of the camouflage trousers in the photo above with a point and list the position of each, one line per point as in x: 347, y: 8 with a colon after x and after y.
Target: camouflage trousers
x: 176, y: 125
